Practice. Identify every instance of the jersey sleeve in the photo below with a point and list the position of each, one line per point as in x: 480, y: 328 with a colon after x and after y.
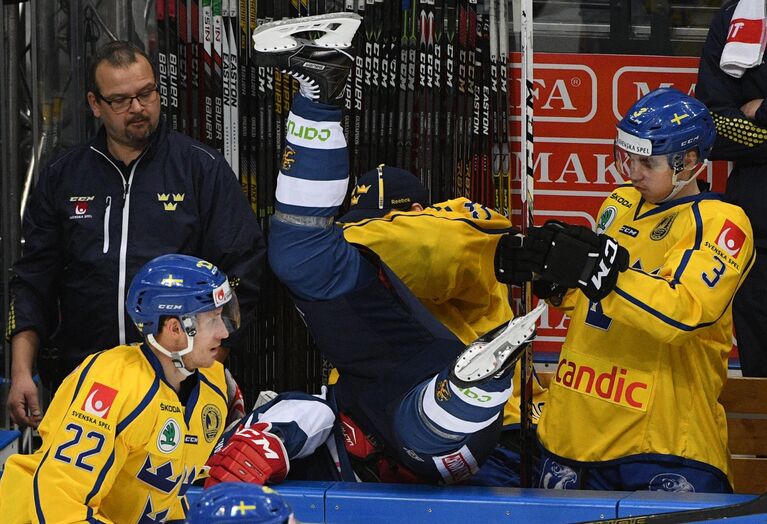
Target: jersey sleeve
x: 84, y: 444
x: 696, y: 283
x: 32, y: 285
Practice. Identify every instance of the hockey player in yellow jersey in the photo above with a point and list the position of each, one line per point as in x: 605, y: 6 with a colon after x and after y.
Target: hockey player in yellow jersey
x: 444, y: 254
x: 633, y: 404
x: 130, y: 428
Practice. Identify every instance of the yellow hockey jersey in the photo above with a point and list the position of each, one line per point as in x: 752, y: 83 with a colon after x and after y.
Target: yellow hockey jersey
x: 641, y: 371
x: 445, y: 254
x: 118, y: 445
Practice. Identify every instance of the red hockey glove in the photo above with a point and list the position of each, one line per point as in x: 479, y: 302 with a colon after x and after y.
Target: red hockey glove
x: 252, y: 455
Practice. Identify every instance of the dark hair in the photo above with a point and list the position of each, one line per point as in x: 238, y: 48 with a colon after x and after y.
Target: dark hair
x: 117, y: 54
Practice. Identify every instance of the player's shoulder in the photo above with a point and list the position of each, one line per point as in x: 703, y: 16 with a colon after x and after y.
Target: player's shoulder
x: 215, y: 378
x: 713, y: 207
x: 117, y: 366
x: 463, y: 210
x: 625, y: 192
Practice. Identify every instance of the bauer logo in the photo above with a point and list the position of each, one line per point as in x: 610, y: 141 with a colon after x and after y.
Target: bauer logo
x: 631, y: 83
x: 99, y: 400
x: 599, y: 379
x: 731, y: 239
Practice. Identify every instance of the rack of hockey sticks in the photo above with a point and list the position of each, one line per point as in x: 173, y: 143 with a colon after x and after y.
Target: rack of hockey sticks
x: 428, y: 92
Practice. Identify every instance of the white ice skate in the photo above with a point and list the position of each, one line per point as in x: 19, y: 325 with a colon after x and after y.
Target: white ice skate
x: 496, y: 351
x: 337, y: 32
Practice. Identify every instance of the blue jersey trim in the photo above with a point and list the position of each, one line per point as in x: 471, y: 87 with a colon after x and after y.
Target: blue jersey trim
x: 696, y: 246
x: 679, y: 201
x: 191, y: 402
x: 659, y: 315
x: 120, y: 427
x: 212, y: 386
x: 155, y: 363
x: 36, y: 489
x: 83, y: 373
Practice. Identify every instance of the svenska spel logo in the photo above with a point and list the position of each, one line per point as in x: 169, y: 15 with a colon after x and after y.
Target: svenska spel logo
x: 731, y: 238
x: 99, y: 400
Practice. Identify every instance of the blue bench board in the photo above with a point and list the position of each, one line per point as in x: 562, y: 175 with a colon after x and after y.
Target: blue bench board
x: 7, y: 436
x: 342, y: 502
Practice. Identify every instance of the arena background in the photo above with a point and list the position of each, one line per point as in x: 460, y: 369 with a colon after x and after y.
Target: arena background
x: 435, y: 89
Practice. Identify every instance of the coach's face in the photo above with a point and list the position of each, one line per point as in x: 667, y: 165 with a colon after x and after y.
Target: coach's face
x: 127, y: 102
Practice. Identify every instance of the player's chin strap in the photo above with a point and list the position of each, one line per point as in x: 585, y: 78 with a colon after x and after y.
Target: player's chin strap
x: 681, y: 184
x: 190, y: 330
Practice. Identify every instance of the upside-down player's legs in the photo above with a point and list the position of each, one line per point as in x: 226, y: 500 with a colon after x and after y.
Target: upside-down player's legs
x: 445, y: 431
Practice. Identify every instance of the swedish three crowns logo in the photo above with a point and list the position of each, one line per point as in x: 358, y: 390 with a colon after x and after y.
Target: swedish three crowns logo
x: 167, y: 203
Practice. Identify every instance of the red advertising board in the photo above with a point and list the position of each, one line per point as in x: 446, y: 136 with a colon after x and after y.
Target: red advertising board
x: 578, y: 99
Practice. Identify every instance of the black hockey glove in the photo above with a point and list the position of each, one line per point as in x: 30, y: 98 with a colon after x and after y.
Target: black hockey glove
x: 551, y: 291
x: 515, y: 262
x: 578, y: 257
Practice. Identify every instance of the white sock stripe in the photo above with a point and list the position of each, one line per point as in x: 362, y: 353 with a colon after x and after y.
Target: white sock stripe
x: 310, y: 193
x: 314, y: 135
x: 445, y: 420
x: 475, y: 396
x: 315, y: 419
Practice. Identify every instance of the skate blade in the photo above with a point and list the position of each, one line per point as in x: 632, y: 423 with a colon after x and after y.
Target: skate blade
x: 338, y: 32
x: 482, y: 360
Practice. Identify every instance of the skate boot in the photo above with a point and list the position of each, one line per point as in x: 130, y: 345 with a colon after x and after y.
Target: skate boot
x: 495, y: 352
x: 320, y: 64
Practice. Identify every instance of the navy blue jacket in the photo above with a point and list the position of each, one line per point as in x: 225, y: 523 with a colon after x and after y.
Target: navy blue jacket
x: 92, y: 222
x: 738, y: 139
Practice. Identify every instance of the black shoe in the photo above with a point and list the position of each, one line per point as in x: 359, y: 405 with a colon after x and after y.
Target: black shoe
x: 321, y: 72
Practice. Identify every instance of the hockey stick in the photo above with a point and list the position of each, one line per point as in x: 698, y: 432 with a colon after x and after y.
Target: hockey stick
x: 527, y: 208
x: 756, y: 506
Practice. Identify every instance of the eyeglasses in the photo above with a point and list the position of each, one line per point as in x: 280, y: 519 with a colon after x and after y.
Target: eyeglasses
x: 121, y: 104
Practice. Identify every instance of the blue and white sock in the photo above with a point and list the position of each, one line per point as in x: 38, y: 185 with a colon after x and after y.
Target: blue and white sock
x: 314, y: 175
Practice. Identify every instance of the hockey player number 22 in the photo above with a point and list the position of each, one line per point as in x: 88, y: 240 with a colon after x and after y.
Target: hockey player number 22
x: 80, y: 460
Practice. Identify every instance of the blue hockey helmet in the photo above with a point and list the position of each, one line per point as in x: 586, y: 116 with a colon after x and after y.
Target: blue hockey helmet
x: 179, y: 286
x: 665, y: 123
x: 238, y: 502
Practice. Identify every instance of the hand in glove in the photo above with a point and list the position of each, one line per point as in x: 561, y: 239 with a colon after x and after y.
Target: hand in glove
x: 253, y: 454
x: 575, y: 256
x: 516, y: 259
